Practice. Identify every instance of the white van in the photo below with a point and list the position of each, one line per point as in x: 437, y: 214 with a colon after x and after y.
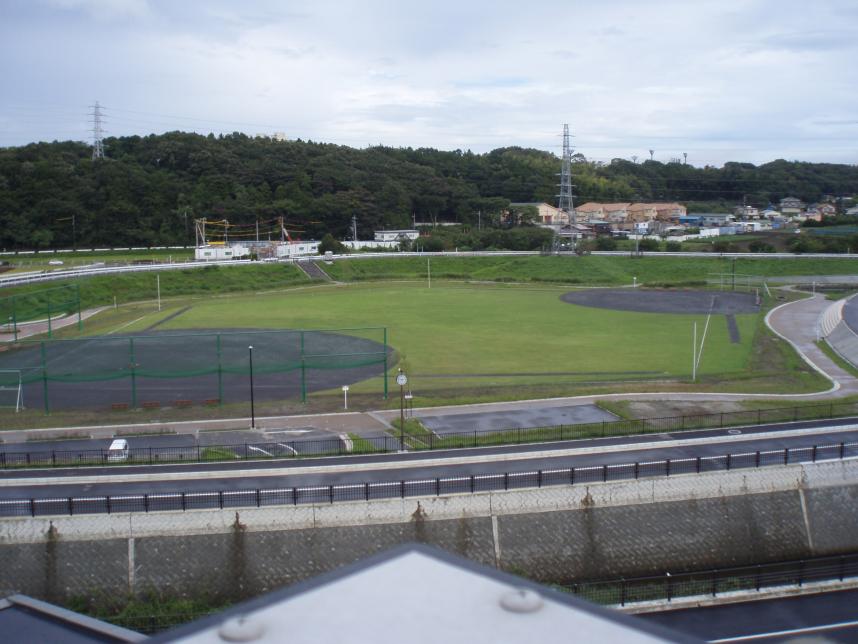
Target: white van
x: 118, y: 450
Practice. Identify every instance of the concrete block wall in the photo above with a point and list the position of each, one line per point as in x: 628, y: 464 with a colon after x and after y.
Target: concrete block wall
x: 555, y: 534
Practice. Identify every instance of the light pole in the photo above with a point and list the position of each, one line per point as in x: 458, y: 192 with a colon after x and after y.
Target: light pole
x: 345, y: 397
x: 252, y: 410
x: 401, y: 380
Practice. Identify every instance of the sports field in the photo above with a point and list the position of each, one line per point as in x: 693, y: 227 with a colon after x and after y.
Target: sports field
x: 469, y: 337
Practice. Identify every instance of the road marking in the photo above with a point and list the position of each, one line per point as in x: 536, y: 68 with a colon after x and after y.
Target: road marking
x: 291, y: 449
x: 794, y: 631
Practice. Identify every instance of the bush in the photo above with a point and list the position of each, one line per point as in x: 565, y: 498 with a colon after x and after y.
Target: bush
x: 721, y: 246
x: 648, y: 245
x: 606, y: 243
x: 328, y: 243
x: 673, y: 246
x: 757, y: 246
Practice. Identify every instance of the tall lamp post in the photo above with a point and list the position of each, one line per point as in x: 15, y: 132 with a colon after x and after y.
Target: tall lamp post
x: 252, y: 410
x: 401, y: 380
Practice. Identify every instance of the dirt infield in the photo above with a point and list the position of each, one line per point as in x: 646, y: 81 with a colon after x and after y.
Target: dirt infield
x: 644, y: 300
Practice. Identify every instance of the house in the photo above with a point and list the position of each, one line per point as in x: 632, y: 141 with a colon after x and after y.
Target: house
x: 852, y: 211
x: 746, y: 212
x: 546, y: 213
x: 791, y: 206
x: 616, y: 211
x: 667, y: 211
x: 715, y: 219
x: 826, y: 209
x: 639, y: 212
x: 575, y: 231
x: 396, y: 235
x: 589, y: 211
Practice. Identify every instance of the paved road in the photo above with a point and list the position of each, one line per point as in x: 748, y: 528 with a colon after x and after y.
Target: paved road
x: 380, y: 469
x: 850, y: 314
x: 833, y: 616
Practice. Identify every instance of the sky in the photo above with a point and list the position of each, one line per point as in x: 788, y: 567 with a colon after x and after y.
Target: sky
x: 727, y: 80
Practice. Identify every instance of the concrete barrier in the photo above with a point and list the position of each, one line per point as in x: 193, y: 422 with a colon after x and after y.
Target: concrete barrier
x: 555, y: 534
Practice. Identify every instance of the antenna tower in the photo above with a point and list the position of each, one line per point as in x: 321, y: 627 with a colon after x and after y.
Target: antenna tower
x: 97, y: 132
x: 564, y: 203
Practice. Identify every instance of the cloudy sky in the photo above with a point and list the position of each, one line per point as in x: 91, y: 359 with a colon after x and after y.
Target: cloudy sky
x: 743, y: 80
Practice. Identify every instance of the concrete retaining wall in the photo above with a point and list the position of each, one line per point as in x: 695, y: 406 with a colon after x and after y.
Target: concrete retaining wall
x: 553, y: 534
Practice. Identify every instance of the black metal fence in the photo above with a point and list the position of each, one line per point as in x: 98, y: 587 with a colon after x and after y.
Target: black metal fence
x: 423, y: 440
x: 716, y: 582
x: 366, y: 491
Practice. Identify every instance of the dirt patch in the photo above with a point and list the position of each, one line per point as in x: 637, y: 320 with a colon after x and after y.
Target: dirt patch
x: 665, y: 408
x: 645, y: 300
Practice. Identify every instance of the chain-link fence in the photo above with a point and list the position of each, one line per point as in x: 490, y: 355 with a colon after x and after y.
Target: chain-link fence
x: 156, y: 369
x: 41, y: 307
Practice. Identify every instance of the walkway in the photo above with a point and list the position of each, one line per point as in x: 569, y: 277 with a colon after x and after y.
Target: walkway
x: 28, y: 329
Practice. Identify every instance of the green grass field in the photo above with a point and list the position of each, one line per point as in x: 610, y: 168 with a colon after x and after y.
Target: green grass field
x: 468, y: 338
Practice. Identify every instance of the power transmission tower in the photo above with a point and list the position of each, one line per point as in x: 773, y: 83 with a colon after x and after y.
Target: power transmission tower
x: 564, y: 199
x: 97, y: 132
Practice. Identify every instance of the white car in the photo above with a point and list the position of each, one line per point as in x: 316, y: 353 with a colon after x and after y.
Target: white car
x: 118, y: 451
x: 55, y: 262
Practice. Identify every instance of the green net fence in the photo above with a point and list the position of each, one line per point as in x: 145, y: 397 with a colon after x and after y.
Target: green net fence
x: 42, y: 307
x: 212, y: 367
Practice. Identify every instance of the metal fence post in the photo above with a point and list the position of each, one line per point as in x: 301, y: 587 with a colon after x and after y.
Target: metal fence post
x: 538, y: 479
x: 786, y: 456
x: 842, y: 450
x: 728, y: 461
x: 146, y: 502
x: 133, y: 373
x: 622, y: 592
x: 107, y: 500
x: 571, y: 476
x: 813, y: 454
x: 71, y: 506
x: 667, y: 467
x: 604, y: 473
x: 33, y: 507
x: 45, y: 379
x: 757, y: 459
x: 698, y: 465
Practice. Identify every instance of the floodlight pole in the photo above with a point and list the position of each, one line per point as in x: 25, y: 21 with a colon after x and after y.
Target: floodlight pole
x: 158, y: 283
x: 252, y: 409
x: 694, y: 355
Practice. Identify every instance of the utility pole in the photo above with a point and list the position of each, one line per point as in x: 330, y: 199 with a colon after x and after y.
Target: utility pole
x: 97, y: 132
x: 479, y: 220
x: 354, y: 228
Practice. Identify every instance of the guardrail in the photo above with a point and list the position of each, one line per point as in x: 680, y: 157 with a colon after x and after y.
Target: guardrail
x: 711, y: 583
x: 336, y: 446
x: 367, y: 491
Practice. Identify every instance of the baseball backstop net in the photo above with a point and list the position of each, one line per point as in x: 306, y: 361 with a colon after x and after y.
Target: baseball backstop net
x: 159, y: 369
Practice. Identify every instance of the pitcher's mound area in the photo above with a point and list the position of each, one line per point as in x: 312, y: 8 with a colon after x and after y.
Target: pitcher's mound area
x: 645, y: 300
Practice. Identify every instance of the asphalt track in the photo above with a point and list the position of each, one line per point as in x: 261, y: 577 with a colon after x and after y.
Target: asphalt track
x: 832, y: 615
x: 664, y: 300
x: 162, y: 369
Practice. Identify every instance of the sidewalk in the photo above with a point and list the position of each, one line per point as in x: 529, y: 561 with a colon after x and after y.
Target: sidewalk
x: 794, y: 321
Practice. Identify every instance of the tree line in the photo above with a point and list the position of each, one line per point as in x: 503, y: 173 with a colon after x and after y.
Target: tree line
x: 149, y: 189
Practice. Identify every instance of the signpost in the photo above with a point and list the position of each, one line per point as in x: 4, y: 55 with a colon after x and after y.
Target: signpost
x: 401, y: 380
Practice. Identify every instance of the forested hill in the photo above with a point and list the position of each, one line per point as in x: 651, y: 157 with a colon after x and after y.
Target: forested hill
x: 150, y: 188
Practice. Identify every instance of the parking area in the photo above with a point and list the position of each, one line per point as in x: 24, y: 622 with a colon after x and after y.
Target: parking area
x: 541, y: 416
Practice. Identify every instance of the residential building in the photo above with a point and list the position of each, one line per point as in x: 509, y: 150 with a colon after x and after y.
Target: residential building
x: 546, y: 213
x: 791, y: 206
x: 746, y: 212
x: 642, y: 212
x: 668, y: 211
x: 616, y: 211
x: 589, y: 211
